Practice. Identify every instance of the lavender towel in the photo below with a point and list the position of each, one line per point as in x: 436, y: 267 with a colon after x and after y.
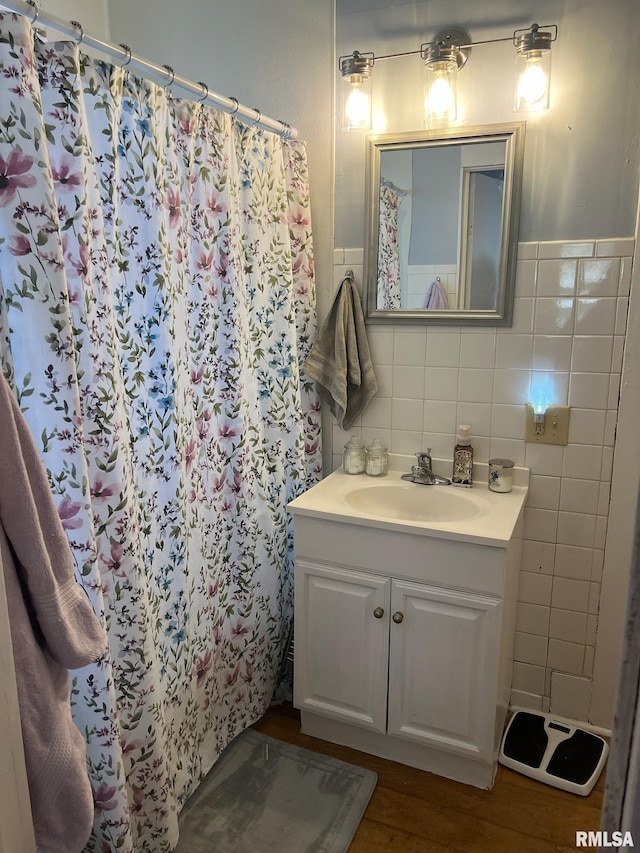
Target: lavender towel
x: 53, y: 628
x: 436, y: 298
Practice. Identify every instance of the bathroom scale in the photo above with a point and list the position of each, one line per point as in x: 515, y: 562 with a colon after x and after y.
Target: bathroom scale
x: 553, y: 751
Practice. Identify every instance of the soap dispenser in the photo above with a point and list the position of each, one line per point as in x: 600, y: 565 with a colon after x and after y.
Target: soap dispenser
x: 463, y: 458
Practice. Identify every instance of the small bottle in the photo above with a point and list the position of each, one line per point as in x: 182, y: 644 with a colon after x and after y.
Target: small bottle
x: 353, y: 456
x: 377, y: 463
x: 463, y: 458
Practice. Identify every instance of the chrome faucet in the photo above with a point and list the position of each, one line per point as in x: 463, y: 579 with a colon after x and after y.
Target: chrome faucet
x: 422, y: 472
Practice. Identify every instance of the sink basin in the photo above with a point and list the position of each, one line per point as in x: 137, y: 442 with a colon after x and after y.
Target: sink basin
x: 442, y: 512
x: 415, y: 503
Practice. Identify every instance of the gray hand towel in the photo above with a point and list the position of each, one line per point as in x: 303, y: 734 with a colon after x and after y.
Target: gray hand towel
x: 340, y: 360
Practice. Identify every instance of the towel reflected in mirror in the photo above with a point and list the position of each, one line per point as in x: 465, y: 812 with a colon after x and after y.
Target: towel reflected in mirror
x: 436, y: 298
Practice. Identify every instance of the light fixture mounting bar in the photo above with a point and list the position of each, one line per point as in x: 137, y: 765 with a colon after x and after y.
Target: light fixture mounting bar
x: 486, y: 41
x: 450, y: 35
x: 395, y: 55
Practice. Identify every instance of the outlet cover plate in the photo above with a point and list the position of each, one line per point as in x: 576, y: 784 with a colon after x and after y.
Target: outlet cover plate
x: 556, y: 426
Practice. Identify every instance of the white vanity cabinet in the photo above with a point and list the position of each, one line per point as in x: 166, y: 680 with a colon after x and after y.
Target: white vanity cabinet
x: 443, y: 674
x: 404, y: 637
x: 405, y: 658
x: 342, y: 636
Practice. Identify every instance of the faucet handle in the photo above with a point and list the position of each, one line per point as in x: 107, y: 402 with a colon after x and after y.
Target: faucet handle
x: 424, y: 456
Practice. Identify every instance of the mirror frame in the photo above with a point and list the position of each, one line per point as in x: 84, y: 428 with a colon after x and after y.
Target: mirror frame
x: 513, y: 135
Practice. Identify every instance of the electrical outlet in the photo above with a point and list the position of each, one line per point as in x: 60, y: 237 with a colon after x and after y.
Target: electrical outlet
x: 553, y: 430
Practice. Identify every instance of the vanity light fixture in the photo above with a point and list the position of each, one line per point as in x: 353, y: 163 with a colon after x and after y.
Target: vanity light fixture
x: 443, y: 58
x: 356, y: 94
x: 533, y: 64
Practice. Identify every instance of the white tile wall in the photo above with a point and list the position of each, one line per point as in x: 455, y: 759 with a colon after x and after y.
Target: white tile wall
x: 569, y: 325
x: 570, y: 696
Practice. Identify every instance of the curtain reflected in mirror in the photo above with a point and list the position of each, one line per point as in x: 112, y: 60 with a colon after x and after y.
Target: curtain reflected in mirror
x: 389, y: 281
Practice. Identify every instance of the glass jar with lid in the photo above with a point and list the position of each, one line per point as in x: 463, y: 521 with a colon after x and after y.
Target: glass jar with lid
x: 377, y: 460
x: 353, y: 456
x: 500, y: 475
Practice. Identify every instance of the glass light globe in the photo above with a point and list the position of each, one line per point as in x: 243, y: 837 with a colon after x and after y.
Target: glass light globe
x: 532, y: 86
x: 358, y: 108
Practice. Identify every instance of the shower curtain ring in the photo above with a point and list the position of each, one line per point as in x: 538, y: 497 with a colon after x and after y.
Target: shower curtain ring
x: 258, y: 116
x: 205, y: 90
x: 128, y: 50
x: 168, y: 85
x: 170, y: 71
x: 236, y: 104
x: 36, y: 11
x: 286, y: 130
x: 79, y: 26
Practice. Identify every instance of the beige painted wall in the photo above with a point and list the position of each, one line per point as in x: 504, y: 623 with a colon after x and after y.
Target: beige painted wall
x: 93, y: 16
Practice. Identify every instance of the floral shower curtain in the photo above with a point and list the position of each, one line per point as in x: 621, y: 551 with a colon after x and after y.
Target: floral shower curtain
x: 388, y: 254
x: 156, y: 300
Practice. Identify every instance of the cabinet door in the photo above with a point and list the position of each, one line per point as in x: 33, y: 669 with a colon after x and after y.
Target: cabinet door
x: 341, y: 647
x: 443, y: 668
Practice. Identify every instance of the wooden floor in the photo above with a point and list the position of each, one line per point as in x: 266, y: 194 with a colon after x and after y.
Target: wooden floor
x: 416, y: 812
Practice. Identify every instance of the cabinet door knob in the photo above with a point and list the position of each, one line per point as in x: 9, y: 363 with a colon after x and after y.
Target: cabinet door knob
x: 378, y: 612
x: 398, y: 617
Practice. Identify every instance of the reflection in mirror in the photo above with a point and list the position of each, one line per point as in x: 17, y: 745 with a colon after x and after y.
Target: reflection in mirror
x: 442, y: 225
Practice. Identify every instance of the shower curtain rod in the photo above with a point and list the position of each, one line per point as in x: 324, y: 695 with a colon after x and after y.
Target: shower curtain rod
x: 385, y: 182
x: 73, y: 29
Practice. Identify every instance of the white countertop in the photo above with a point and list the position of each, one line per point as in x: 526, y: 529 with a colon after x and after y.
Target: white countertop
x: 493, y: 518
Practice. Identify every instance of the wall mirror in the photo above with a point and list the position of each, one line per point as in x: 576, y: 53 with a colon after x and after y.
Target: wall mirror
x: 442, y: 225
